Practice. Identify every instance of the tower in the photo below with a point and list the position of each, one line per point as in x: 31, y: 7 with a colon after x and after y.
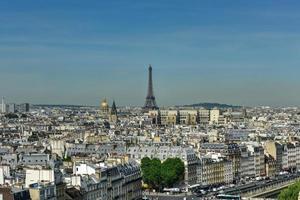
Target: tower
x: 113, y: 117
x: 3, y: 106
x: 150, y: 103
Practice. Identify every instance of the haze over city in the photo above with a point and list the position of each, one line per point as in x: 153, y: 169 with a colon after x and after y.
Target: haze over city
x: 78, y: 52
x: 149, y: 100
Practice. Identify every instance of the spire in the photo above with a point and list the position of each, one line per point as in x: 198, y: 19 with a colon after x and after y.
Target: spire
x: 113, y: 109
x: 150, y: 103
x: 113, y: 117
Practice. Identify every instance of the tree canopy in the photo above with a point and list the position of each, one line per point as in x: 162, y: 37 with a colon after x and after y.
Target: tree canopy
x: 158, y: 175
x: 291, y: 193
x: 172, y: 171
x: 151, y: 172
x: 11, y: 116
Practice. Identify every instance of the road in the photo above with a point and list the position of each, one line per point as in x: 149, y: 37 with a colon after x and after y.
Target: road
x: 181, y: 196
x: 249, y: 187
x: 174, y: 197
x: 237, y: 189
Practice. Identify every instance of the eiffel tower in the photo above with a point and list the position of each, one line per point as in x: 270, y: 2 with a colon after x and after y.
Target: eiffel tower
x: 150, y: 103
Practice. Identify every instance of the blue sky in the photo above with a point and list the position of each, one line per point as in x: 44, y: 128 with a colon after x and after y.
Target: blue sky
x: 78, y: 52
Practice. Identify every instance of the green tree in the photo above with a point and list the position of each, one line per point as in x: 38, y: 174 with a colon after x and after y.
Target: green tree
x: 151, y: 172
x: 172, y: 171
x: 155, y: 177
x: 145, y: 166
x: 291, y: 193
x: 158, y: 175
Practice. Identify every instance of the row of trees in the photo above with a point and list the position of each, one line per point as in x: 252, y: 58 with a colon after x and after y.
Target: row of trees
x: 291, y: 193
x: 14, y: 116
x: 157, y: 174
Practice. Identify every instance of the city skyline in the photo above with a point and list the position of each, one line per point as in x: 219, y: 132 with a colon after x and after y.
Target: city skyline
x: 237, y: 53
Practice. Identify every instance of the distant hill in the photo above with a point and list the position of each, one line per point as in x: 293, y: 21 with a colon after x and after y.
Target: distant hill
x: 210, y: 105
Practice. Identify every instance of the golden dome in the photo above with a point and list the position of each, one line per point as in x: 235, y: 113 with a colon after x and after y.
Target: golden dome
x: 104, y: 104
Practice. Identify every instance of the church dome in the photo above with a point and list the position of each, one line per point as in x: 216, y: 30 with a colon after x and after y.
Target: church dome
x: 104, y: 104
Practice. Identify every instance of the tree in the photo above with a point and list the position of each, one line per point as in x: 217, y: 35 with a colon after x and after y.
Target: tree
x: 155, y: 177
x: 11, y: 116
x: 158, y: 175
x: 151, y: 172
x: 145, y: 166
x: 172, y: 171
x: 291, y: 193
x: 145, y: 163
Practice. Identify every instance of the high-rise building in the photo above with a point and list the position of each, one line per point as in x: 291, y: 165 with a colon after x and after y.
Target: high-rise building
x: 214, y: 116
x: 11, y: 108
x: 24, y: 107
x: 3, y: 106
x: 150, y: 103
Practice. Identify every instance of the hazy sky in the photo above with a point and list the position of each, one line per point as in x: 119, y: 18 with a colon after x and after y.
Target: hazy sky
x: 78, y: 52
